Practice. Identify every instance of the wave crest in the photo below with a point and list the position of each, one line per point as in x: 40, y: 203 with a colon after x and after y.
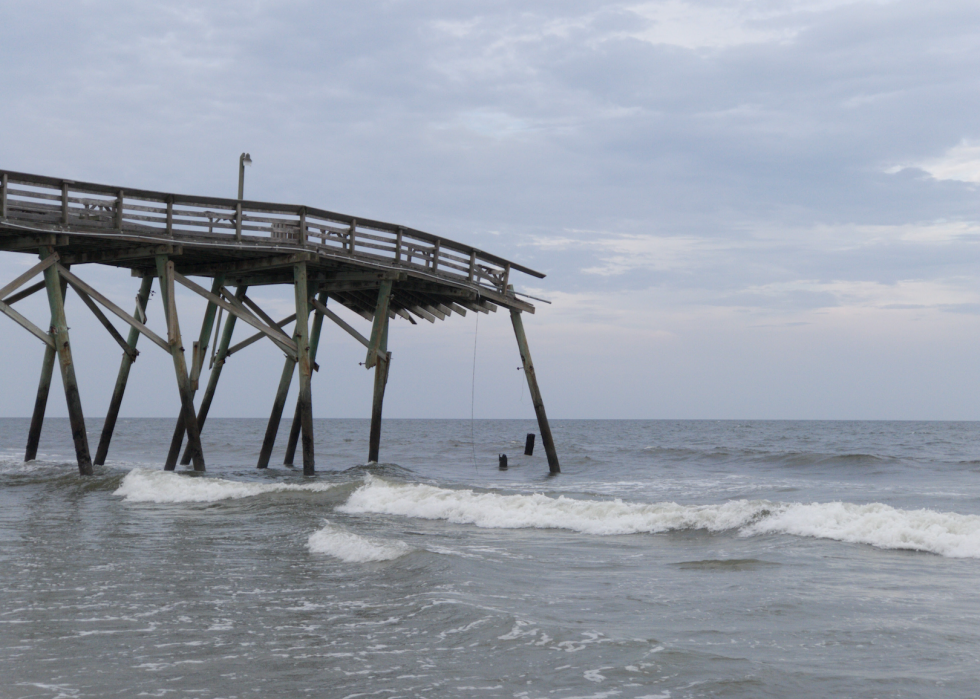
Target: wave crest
x: 353, y: 548
x: 144, y: 485
x: 947, y: 534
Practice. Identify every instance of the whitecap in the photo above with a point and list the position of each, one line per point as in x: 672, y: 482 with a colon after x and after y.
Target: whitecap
x: 494, y: 511
x: 144, y: 485
x: 946, y: 533
x: 353, y: 548
x: 876, y: 524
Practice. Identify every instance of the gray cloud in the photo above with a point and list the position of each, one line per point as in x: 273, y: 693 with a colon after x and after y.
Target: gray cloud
x: 769, y: 155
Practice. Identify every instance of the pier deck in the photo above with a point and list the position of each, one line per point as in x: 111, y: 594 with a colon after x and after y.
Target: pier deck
x: 378, y: 270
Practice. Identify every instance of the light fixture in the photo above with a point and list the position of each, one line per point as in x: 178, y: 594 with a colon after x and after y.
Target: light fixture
x: 243, y: 160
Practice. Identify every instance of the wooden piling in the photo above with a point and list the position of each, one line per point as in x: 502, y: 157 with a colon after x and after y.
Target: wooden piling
x: 272, y: 429
x: 294, y: 428
x: 43, y: 388
x: 532, y: 384
x: 59, y: 331
x: 219, y: 363
x: 200, y: 350
x: 305, y: 403
x: 165, y: 270
x: 123, y: 377
x: 380, y: 382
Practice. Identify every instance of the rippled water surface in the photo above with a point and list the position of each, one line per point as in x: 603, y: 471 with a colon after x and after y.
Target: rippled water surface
x: 669, y: 559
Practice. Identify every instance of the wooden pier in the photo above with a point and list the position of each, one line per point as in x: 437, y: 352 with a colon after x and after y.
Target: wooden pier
x: 380, y: 271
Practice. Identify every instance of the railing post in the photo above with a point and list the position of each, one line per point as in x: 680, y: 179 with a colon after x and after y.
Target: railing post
x: 3, y: 196
x: 64, y: 202
x: 506, y: 280
x: 238, y: 221
x: 170, y: 215
x: 302, y: 226
x: 350, y: 236
x: 119, y: 210
x: 472, y: 264
x: 435, y: 254
x: 398, y: 244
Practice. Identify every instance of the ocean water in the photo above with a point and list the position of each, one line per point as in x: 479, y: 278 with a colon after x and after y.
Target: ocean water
x: 669, y: 559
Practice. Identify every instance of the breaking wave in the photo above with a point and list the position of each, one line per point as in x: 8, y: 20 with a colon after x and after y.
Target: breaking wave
x: 947, y: 534
x: 352, y: 548
x: 144, y: 485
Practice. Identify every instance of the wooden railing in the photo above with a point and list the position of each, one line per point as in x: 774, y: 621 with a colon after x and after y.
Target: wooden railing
x: 38, y: 200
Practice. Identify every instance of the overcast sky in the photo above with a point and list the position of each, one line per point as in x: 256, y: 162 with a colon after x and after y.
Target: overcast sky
x: 745, y: 209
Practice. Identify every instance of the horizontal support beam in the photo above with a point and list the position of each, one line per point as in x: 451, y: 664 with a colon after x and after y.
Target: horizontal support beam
x: 241, y: 313
x: 80, y: 286
x: 230, y: 268
x: 31, y: 242
x: 340, y: 321
x: 26, y: 324
x: 130, y: 253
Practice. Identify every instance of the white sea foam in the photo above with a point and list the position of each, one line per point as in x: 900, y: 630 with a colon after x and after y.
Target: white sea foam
x: 947, y: 534
x: 495, y: 511
x: 350, y: 547
x: 144, y: 485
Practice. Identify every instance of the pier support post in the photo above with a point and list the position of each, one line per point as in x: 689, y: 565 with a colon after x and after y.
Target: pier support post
x: 219, y: 363
x: 379, y: 358
x: 43, y: 388
x: 165, y: 270
x: 124, y: 366
x: 305, y: 405
x: 59, y: 331
x: 201, y: 349
x: 532, y: 385
x: 272, y: 429
x: 294, y: 428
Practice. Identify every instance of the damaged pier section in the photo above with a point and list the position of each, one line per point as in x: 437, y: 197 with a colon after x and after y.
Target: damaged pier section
x: 380, y: 271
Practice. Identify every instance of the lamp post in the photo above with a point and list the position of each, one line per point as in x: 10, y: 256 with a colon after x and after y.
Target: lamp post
x: 243, y: 160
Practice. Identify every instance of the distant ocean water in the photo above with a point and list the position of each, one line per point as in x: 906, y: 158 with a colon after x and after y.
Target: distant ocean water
x: 669, y: 559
